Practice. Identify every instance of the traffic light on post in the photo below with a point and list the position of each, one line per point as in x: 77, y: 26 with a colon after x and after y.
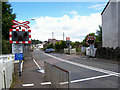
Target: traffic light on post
x: 90, y: 41
x: 20, y: 36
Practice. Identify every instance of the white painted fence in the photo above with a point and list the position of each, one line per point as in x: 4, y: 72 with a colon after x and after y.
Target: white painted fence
x: 6, y: 70
x: 73, y: 51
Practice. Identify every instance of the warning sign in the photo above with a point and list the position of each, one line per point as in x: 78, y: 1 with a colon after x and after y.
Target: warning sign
x: 17, y: 48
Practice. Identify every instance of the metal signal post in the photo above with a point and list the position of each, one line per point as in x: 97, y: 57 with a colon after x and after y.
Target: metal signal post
x: 19, y: 37
x: 91, y: 42
x: 68, y: 44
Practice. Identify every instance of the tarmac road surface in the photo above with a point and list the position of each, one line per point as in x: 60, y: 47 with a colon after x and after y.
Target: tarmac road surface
x: 85, y: 72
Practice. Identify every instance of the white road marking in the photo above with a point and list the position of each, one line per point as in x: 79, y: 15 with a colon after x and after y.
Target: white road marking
x: 42, y: 71
x: 26, y: 85
x: 86, y: 66
x: 45, y: 83
x: 86, y: 79
x: 36, y: 64
x: 83, y: 58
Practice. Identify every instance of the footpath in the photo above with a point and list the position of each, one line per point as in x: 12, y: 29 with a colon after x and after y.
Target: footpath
x: 30, y: 77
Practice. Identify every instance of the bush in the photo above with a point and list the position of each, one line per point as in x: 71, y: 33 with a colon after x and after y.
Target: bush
x: 108, y: 53
x: 78, y: 49
x: 6, y: 47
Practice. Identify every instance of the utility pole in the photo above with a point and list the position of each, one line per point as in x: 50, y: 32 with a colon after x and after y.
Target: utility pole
x: 52, y: 35
x: 63, y: 36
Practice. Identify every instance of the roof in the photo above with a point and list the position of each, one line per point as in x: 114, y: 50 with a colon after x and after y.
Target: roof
x: 105, y: 7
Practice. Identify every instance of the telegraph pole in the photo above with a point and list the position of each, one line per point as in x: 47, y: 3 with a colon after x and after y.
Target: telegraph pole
x: 52, y: 35
x: 63, y: 36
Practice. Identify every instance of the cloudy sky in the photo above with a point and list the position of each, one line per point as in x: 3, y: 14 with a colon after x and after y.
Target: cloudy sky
x: 75, y: 19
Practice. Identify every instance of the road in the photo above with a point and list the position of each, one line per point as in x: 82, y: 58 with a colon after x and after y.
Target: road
x: 85, y: 72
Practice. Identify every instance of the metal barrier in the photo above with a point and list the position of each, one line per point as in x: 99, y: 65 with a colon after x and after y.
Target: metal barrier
x: 93, y: 51
x: 59, y: 77
x: 83, y: 49
x: 6, y: 70
x: 73, y: 51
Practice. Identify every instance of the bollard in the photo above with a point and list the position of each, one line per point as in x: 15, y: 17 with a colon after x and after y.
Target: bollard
x: 19, y: 68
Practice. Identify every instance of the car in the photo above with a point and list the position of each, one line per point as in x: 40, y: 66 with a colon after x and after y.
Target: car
x: 31, y: 50
x: 49, y: 50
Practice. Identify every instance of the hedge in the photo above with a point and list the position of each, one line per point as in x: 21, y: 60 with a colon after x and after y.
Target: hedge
x: 108, y: 53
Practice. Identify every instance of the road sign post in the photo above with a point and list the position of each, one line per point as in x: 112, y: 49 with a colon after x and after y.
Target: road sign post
x: 19, y: 56
x: 91, y: 42
x: 69, y: 44
x: 18, y: 37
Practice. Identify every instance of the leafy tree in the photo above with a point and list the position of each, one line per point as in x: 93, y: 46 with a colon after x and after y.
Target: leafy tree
x: 36, y: 42
x: 99, y: 33
x: 77, y: 43
x: 7, y: 17
x: 73, y: 44
x: 50, y: 45
x: 62, y: 44
x: 57, y: 46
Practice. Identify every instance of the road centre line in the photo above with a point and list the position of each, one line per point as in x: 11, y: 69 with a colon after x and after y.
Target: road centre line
x: 36, y: 64
x: 86, y: 66
x: 87, y: 79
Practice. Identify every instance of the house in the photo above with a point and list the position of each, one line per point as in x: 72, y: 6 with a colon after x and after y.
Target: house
x: 53, y: 41
x: 111, y: 24
x: 40, y: 45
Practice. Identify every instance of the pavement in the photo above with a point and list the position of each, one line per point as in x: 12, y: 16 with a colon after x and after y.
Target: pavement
x: 30, y: 78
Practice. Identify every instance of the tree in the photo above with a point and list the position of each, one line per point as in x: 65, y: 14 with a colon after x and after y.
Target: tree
x: 77, y: 44
x: 7, y: 17
x: 99, y: 33
x: 73, y: 44
x: 50, y: 45
x: 57, y: 46
x: 36, y: 41
x: 99, y: 37
x: 62, y: 44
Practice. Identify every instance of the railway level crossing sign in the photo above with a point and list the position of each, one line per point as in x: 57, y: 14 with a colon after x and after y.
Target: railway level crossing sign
x: 90, y: 40
x: 18, y: 37
x: 68, y: 43
x: 67, y: 38
x: 18, y: 24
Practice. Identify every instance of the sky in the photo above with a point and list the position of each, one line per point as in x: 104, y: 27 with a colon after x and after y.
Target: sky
x: 75, y: 19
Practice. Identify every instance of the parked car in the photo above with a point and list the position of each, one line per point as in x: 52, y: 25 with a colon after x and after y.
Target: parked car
x: 31, y: 50
x: 49, y: 50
